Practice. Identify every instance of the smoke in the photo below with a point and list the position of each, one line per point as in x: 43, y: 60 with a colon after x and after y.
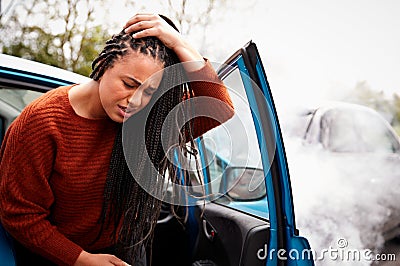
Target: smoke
x: 343, y: 196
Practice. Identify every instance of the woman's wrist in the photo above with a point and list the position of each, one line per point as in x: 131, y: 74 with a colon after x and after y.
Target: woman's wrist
x: 82, y: 259
x: 187, y: 53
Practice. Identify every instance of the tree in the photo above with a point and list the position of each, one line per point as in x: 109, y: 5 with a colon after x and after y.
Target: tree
x: 194, y: 17
x: 388, y: 107
x: 396, y: 117
x: 70, y: 33
x: 365, y: 95
x: 63, y: 33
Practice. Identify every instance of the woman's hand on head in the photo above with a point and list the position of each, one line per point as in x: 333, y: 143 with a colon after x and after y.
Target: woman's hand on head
x: 88, y: 259
x: 146, y: 25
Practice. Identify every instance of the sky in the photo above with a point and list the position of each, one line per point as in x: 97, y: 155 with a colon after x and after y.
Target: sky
x: 318, y: 49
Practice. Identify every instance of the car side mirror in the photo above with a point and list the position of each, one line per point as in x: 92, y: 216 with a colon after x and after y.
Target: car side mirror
x: 244, y: 183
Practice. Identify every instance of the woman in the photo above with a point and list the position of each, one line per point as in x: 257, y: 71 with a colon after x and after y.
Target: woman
x: 68, y: 196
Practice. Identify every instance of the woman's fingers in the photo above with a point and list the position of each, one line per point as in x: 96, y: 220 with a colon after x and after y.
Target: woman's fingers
x: 118, y: 262
x: 139, y: 18
x: 141, y: 25
x: 146, y: 25
x: 146, y: 33
x: 89, y: 259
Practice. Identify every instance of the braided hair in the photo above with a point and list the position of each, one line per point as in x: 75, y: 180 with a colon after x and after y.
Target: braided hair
x: 127, y: 207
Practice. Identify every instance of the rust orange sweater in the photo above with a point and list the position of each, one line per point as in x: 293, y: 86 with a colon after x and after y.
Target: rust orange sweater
x: 53, y: 169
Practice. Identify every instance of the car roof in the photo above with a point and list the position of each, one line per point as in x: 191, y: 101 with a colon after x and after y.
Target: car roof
x: 351, y: 107
x: 28, y: 69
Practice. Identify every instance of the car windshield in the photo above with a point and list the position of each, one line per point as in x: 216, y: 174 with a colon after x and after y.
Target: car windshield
x: 356, y: 131
x: 18, y: 98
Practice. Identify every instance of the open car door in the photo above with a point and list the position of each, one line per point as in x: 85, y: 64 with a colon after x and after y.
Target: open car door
x: 250, y: 219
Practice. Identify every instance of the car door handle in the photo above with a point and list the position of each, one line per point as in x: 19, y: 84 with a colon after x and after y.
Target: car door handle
x: 208, y: 230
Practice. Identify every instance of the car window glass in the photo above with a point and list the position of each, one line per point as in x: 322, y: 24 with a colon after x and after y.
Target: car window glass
x: 18, y: 98
x: 233, y: 156
x: 1, y: 129
x: 357, y: 131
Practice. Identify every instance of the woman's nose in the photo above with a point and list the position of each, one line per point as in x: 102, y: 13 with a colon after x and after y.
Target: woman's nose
x: 135, y: 100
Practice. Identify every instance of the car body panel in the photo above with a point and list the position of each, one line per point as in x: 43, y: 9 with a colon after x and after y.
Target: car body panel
x: 34, y: 75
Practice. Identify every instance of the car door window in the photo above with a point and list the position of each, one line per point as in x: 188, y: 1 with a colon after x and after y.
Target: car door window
x: 1, y: 129
x: 18, y: 98
x: 232, y: 156
x: 12, y: 102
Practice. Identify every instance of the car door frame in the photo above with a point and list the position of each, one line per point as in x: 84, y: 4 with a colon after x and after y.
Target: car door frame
x: 284, y: 236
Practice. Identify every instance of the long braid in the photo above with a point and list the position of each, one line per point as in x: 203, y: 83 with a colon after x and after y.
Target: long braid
x: 142, y: 209
x: 124, y: 198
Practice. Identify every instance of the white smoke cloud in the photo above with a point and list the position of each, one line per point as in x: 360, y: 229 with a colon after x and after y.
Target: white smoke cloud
x: 351, y: 196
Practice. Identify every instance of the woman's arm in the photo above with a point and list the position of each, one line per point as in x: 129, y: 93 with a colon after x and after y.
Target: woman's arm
x: 212, y: 103
x: 26, y: 195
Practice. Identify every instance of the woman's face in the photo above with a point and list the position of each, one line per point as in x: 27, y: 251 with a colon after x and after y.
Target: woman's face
x: 126, y: 87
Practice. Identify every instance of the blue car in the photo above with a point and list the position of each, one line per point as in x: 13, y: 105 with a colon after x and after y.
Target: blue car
x: 248, y: 217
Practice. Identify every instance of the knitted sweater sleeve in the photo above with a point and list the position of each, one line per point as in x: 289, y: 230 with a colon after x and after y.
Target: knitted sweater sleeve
x: 27, y: 157
x: 212, y: 103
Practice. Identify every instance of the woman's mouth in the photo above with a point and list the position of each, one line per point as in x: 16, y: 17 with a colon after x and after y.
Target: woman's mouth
x: 125, y: 111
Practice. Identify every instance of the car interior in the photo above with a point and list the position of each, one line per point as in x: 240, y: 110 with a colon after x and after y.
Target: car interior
x: 215, y: 235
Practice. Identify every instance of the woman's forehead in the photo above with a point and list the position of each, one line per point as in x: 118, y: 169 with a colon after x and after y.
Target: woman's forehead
x: 141, y: 65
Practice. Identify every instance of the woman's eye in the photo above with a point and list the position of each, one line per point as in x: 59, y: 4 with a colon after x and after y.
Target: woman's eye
x: 129, y: 85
